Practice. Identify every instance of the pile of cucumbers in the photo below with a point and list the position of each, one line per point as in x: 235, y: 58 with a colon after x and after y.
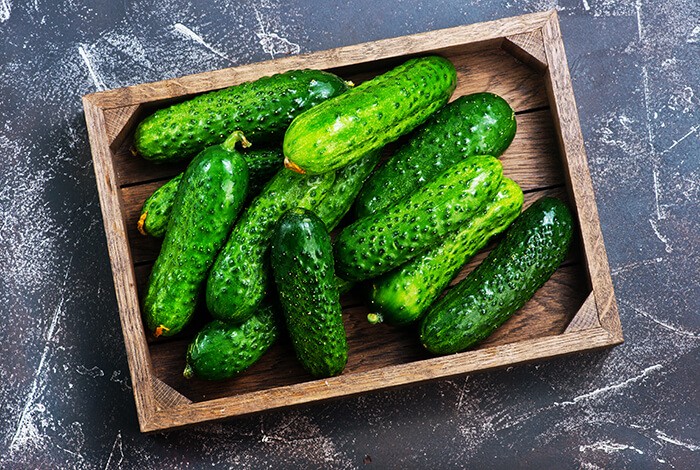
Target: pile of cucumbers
x: 277, y: 163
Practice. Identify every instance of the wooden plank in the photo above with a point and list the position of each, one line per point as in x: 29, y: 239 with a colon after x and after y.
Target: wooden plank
x: 568, y: 130
x: 122, y: 267
x: 527, y: 47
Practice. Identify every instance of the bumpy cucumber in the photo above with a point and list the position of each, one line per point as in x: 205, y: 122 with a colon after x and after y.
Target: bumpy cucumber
x: 478, y: 124
x: 261, y: 109
x: 302, y: 264
x: 208, y: 199
x: 534, y: 246
x: 348, y: 183
x: 155, y: 213
x: 156, y: 210
x: 222, y: 350
x: 343, y: 129
x: 403, y: 295
x: 237, y: 282
x: 376, y: 244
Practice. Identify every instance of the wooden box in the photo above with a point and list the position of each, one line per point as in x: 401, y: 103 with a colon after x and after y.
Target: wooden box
x: 521, y: 59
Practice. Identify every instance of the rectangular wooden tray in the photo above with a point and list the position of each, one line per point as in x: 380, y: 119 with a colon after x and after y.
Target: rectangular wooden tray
x: 521, y: 59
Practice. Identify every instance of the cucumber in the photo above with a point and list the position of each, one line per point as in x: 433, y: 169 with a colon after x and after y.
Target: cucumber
x: 302, y: 265
x: 478, y: 124
x: 534, y: 246
x: 402, y: 296
x: 208, y: 200
x: 155, y: 213
x: 261, y: 109
x: 381, y: 242
x: 156, y: 210
x: 237, y: 282
x: 342, y: 129
x: 221, y: 350
x: 348, y: 183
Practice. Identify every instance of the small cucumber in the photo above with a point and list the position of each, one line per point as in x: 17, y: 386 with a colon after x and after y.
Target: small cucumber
x: 208, y: 200
x: 346, y: 127
x: 478, y: 124
x: 156, y: 210
x: 221, y: 350
x: 302, y: 264
x: 261, y: 109
x: 533, y: 248
x: 403, y: 295
x: 237, y: 282
x: 155, y: 213
x: 381, y: 242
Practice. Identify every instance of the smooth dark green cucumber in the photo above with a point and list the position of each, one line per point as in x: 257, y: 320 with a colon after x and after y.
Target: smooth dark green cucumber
x: 155, y: 213
x: 478, y: 124
x: 222, y: 350
x: 208, y: 200
x: 237, y: 283
x: 376, y: 244
x: 302, y: 265
x: 261, y: 109
x: 533, y: 248
x: 402, y: 296
x: 376, y: 112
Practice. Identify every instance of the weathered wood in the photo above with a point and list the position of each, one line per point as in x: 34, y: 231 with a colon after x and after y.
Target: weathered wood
x: 527, y: 47
x: 122, y: 266
x: 575, y: 162
x: 546, y: 157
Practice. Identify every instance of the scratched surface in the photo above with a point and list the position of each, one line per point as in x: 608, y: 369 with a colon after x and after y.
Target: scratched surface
x: 64, y: 386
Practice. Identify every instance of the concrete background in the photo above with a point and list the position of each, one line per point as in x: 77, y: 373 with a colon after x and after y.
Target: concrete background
x: 64, y: 386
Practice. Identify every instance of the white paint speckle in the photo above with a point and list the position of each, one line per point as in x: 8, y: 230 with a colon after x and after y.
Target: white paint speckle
x: 5, y: 10
x: 96, y: 79
x: 677, y: 442
x: 188, y: 33
x: 608, y: 447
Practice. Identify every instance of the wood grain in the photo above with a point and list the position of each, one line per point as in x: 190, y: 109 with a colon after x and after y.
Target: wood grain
x: 546, y: 157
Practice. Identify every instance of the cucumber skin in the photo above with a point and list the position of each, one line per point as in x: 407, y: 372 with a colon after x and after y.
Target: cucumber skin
x: 402, y: 296
x: 302, y: 265
x: 533, y: 248
x: 342, y: 129
x: 208, y: 200
x: 348, y: 183
x: 156, y: 210
x: 155, y: 213
x: 477, y: 124
x: 221, y: 350
x: 261, y: 109
x: 237, y: 282
x: 376, y: 244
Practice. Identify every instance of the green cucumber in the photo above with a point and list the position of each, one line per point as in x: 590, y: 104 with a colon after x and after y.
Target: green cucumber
x: 156, y: 210
x: 208, y: 200
x: 222, y: 350
x: 237, y: 282
x: 533, y: 248
x: 381, y: 242
x: 348, y: 183
x: 402, y: 296
x: 376, y: 112
x: 155, y: 213
x: 478, y: 124
x: 302, y: 265
x: 261, y: 109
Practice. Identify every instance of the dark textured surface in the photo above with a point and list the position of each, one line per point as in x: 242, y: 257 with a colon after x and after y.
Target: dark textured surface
x: 64, y: 385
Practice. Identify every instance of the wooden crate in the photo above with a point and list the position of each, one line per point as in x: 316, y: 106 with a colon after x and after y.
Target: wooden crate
x: 521, y: 59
